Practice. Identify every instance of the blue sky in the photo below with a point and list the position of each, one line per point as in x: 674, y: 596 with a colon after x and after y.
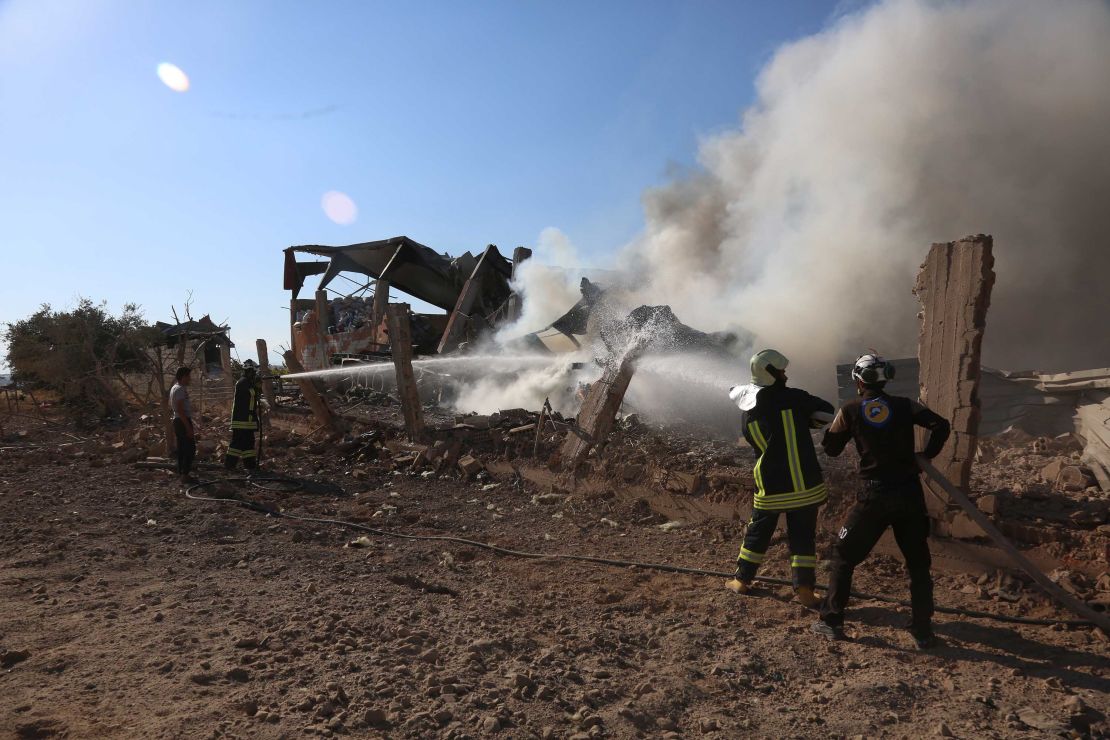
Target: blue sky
x: 458, y: 124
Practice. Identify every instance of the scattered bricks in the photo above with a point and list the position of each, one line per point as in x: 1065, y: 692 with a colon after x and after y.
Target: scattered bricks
x: 470, y: 466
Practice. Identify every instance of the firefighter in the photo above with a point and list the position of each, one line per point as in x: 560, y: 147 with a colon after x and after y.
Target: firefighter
x: 244, y: 420
x: 776, y: 422
x: 890, y: 495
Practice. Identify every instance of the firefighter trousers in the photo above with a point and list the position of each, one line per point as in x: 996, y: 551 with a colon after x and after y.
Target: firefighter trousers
x: 801, y: 532
x: 900, y: 506
x: 241, y: 448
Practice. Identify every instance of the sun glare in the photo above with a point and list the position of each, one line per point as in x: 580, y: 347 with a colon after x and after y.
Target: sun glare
x: 339, y: 207
x: 172, y: 77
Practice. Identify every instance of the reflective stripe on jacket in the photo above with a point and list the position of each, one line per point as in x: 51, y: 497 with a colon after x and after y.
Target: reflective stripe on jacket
x: 787, y: 474
x: 244, y: 410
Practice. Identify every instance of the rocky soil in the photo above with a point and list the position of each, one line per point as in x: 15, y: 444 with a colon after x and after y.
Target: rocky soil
x: 131, y: 611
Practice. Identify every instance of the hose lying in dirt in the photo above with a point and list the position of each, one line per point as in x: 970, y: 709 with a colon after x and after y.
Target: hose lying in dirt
x: 663, y: 567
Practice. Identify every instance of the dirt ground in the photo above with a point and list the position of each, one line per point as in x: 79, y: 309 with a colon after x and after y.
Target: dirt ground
x: 131, y: 611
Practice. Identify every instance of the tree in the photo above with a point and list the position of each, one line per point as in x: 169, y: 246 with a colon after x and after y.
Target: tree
x: 85, y: 354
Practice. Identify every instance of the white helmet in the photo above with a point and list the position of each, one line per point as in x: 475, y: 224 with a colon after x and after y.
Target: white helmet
x: 760, y: 361
x: 872, y: 370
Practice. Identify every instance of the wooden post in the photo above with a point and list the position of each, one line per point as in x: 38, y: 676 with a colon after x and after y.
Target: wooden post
x: 313, y: 395
x: 460, y: 317
x: 264, y: 371
x: 381, y: 305
x: 401, y: 348
x: 954, y: 287
x: 599, y: 410
x: 322, y: 317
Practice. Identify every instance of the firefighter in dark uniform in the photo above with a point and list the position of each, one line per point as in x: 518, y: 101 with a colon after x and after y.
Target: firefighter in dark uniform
x: 776, y: 423
x: 890, y: 495
x: 244, y: 420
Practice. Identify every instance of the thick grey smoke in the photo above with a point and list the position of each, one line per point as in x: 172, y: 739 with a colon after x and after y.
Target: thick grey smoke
x: 908, y: 123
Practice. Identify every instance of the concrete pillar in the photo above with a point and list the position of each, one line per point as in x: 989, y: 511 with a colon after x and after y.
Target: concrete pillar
x: 381, y: 304
x: 598, y: 413
x: 264, y: 371
x: 401, y: 347
x: 954, y: 287
x: 313, y: 395
x: 323, y: 317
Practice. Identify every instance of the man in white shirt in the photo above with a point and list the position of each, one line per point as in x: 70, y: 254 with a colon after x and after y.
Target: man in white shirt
x: 183, y: 426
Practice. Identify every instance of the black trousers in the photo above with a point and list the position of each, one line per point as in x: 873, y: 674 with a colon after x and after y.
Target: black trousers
x: 801, y: 532
x: 900, y: 506
x: 186, y: 447
x: 241, y: 448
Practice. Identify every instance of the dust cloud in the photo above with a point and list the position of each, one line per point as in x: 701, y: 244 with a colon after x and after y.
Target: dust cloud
x: 904, y: 124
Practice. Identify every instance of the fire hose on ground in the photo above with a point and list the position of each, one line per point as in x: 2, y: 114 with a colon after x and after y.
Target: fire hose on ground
x: 1091, y: 617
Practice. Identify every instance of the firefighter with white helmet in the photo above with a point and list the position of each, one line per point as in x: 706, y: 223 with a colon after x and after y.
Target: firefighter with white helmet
x: 776, y: 423
x: 890, y: 495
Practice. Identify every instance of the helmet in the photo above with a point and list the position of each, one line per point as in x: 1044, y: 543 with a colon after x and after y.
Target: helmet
x: 872, y: 370
x: 760, y: 361
x: 250, y: 366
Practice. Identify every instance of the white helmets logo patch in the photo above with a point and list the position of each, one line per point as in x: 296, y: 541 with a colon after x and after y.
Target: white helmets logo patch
x: 875, y: 412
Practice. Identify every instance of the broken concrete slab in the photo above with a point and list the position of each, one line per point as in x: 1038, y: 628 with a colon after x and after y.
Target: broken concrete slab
x: 598, y: 413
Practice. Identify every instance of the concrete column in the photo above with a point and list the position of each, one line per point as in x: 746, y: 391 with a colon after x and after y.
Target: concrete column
x: 381, y: 305
x: 264, y: 371
x: 322, y: 320
x: 598, y: 413
x: 954, y: 287
x: 401, y: 347
x: 313, y: 396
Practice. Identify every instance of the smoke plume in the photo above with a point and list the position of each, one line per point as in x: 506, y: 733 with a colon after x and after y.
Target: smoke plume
x: 904, y: 124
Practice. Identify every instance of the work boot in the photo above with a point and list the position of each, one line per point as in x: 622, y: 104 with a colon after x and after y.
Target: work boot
x: 806, y: 597
x: 738, y: 586
x: 828, y: 631
x: 924, y: 640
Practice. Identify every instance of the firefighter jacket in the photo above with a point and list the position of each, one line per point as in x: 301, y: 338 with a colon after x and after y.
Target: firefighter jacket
x: 882, y: 428
x: 244, y: 410
x: 787, y: 475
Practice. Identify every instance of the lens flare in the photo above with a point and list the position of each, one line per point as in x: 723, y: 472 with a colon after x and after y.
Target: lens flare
x: 172, y: 77
x: 339, y: 207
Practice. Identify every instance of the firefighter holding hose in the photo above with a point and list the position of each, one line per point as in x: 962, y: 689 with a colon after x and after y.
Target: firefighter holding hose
x: 788, y: 479
x: 244, y: 420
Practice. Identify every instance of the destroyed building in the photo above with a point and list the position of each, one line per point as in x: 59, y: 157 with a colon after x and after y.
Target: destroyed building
x: 473, y: 291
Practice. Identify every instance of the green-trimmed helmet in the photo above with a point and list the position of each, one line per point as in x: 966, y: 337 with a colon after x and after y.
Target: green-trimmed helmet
x: 760, y: 361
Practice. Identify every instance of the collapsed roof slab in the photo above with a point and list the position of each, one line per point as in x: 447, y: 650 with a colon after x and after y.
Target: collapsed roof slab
x: 408, y: 266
